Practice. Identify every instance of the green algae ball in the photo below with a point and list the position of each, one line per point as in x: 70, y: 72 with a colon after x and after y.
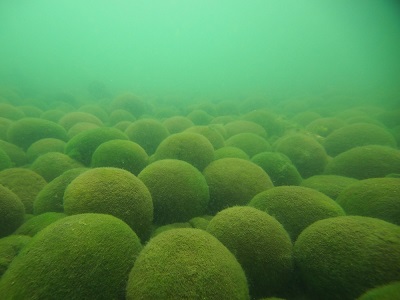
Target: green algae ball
x: 72, y: 118
x: 10, y: 246
x: 250, y: 143
x: 44, y: 146
x: 186, y: 263
x: 177, y: 124
x: 296, y: 207
x: 375, y: 197
x: 37, y: 223
x: 129, y: 102
x: 111, y: 191
x: 234, y: 181
x: 389, y: 291
x: 211, y: 133
x: 229, y: 151
x: 12, y: 211
x: 15, y: 153
x: 179, y: 191
x: 260, y: 244
x: 242, y: 126
x: 5, y: 161
x: 342, y: 257
x: 86, y: 256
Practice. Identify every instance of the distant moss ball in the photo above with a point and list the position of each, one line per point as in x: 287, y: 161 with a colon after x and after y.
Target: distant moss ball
x: 330, y: 185
x: 95, y: 110
x: 121, y: 154
x: 234, y: 181
x: 111, y: 191
x: 177, y: 124
x: 197, y: 265
x: 82, y: 146
x: 4, y: 124
x: 271, y: 122
x: 325, y: 126
x: 375, y: 197
x: 72, y: 118
x: 200, y: 117
x: 44, y: 146
x: 250, y: 143
x: 187, y: 146
x: 211, y: 133
x: 230, y: 151
x: 296, y: 207
x: 26, y: 131
x: 15, y: 153
x: 10, y: 246
x: 86, y: 256
x: 179, y: 190
x: 243, y: 126
x: 365, y: 162
x: 12, y: 211
x: 130, y: 103
x: 343, y: 257
x: 120, y: 115
x: 355, y: 135
x: 10, y: 112
x: 37, y: 223
x: 279, y: 168
x: 261, y: 245
x: 5, y: 161
x: 305, y: 152
x: 389, y: 291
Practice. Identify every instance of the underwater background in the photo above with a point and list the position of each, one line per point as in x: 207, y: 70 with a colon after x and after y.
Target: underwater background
x: 176, y: 149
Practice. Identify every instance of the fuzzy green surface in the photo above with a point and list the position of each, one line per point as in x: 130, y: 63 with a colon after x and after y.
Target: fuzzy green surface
x: 121, y: 154
x: 171, y: 226
x: 148, y: 133
x: 10, y: 246
x: 82, y: 146
x: 279, y: 168
x: 15, y: 153
x: 37, y: 223
x: 5, y: 161
x: 200, y: 117
x: 111, y: 191
x: 25, y: 183
x: 375, y: 197
x: 186, y: 264
x: 330, y: 185
x: 10, y: 112
x: 120, y: 115
x: 268, y: 120
x: 365, y: 162
x: 232, y: 152
x: 96, y: 110
x: 179, y: 191
x: 296, y: 207
x: 234, y: 181
x: 177, y: 124
x: 250, y: 143
x: 260, y: 244
x: 305, y: 152
x: 355, y: 135
x: 341, y: 258
x: 243, y: 126
x: 187, y: 146
x: 12, y: 211
x: 26, y: 131
x: 44, y: 146
x: 211, y: 133
x: 325, y: 126
x: 86, y: 256
x: 72, y: 118
x: 386, y: 292
x: 200, y: 222
x: 50, y: 198
x: 129, y: 102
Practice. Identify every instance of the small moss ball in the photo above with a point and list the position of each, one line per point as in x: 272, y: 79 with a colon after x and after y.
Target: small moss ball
x: 10, y: 246
x: 72, y: 118
x: 10, y: 112
x: 389, y: 291
x: 330, y: 185
x: 374, y: 197
x: 250, y: 143
x: 343, y: 257
x: 325, y: 126
x: 121, y: 154
x: 243, y: 126
x: 296, y: 207
x: 44, y: 146
x: 234, y: 181
x: 179, y: 190
x: 111, y: 191
x: 120, y: 115
x: 211, y: 133
x: 200, y: 117
x: 130, y: 103
x: 261, y: 245
x: 229, y: 151
x: 80, y: 127
x: 16, y: 154
x: 37, y: 223
x: 177, y: 124
x: 86, y: 256
x: 5, y: 161
x: 186, y: 264
x: 12, y: 211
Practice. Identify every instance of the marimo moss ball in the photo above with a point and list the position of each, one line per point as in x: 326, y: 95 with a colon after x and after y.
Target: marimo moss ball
x: 279, y: 168
x: 12, y: 211
x: 177, y: 124
x: 15, y: 153
x: 234, y: 181
x: 211, y: 133
x: 305, y: 152
x: 365, y: 162
x: 121, y: 154
x: 37, y: 223
x: 186, y: 264
x: 242, y: 126
x: 26, y: 131
x: 72, y: 118
x: 187, y: 146
x: 325, y: 126
x: 10, y: 246
x: 296, y: 207
x: 111, y: 191
x: 44, y: 146
x: 389, y: 291
x: 86, y: 256
x: 179, y: 191
x: 330, y: 185
x: 343, y: 257
x: 5, y: 161
x: 250, y: 143
x: 260, y: 244
x: 233, y: 152
x: 129, y: 102
x: 375, y: 197
x: 80, y: 127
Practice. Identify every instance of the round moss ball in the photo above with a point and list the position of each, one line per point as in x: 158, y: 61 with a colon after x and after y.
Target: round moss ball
x: 130, y: 103
x: 211, y: 133
x: 186, y: 263
x: 12, y: 211
x: 10, y: 246
x: 37, y: 223
x: 121, y: 154
x: 200, y: 117
x: 229, y: 151
x: 250, y: 143
x: 111, y: 191
x: 341, y: 258
x: 86, y: 256
x: 120, y: 115
x: 375, y: 197
x: 365, y: 162
x: 5, y: 161
x: 260, y: 244
x: 234, y: 181
x: 179, y: 190
x: 243, y: 126
x: 15, y: 153
x: 10, y: 112
x: 187, y: 146
x: 330, y: 185
x: 177, y: 124
x: 72, y: 118
x: 325, y: 126
x: 44, y: 146
x: 389, y: 291
x: 296, y: 207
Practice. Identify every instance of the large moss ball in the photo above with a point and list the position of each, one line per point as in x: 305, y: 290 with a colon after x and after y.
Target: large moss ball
x: 72, y: 118
x: 330, y: 185
x: 12, y: 211
x: 111, y: 191
x: 341, y: 258
x: 179, y: 191
x: 86, y: 256
x: 261, y: 245
x: 389, y: 291
x: 44, y: 146
x: 36, y: 223
x: 10, y: 246
x: 234, y: 181
x: 250, y: 143
x: 374, y: 197
x: 296, y: 207
x: 5, y: 161
x: 186, y: 264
